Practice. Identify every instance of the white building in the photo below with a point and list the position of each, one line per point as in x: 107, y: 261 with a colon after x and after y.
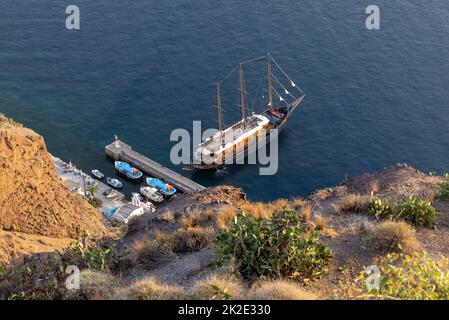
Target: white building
x: 127, y: 212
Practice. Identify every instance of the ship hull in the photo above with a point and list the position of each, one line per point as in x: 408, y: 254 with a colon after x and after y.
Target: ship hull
x: 287, y: 111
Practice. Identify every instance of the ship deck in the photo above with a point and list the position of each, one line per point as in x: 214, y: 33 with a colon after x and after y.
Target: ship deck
x: 232, y: 133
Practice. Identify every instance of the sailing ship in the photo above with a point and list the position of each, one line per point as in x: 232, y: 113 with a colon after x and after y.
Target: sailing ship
x: 235, y: 141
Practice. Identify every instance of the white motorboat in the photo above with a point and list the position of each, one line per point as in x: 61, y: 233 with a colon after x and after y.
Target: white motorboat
x: 97, y: 174
x: 152, y: 194
x: 115, y: 183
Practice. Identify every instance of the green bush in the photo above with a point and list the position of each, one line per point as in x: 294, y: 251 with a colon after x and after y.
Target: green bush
x: 443, y: 194
x: 273, y: 247
x: 409, y: 277
x: 413, y: 209
x: 380, y: 208
x: 93, y: 257
x: 44, y: 278
x: 417, y: 211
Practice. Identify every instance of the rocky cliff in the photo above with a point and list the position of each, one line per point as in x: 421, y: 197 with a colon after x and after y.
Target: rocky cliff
x: 33, y: 200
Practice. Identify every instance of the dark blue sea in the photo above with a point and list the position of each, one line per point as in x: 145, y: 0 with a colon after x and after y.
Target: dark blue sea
x: 140, y: 68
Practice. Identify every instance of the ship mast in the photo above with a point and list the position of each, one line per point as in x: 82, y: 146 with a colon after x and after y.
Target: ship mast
x: 220, y: 114
x: 242, y: 94
x: 270, y: 85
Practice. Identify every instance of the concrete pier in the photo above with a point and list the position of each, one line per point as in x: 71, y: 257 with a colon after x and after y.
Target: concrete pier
x: 118, y: 150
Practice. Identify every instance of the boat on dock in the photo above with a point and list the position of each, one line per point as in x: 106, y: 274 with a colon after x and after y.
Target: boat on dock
x: 152, y: 194
x: 140, y: 201
x: 237, y: 140
x: 97, y: 174
x: 165, y: 189
x: 115, y: 183
x: 111, y: 193
x: 128, y: 170
x: 120, y: 151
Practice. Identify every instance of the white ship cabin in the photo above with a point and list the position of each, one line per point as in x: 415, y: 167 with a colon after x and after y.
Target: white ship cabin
x: 237, y: 135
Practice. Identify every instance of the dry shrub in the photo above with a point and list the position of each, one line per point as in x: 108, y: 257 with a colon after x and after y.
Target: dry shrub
x: 151, y: 289
x: 209, y: 214
x: 165, y: 244
x: 330, y: 232
x: 278, y: 290
x: 196, y: 217
x: 353, y: 224
x: 281, y: 204
x: 298, y: 203
x: 186, y: 222
x: 306, y: 212
x: 323, y: 194
x: 374, y: 187
x: 336, y: 207
x: 260, y: 210
x: 431, y: 195
x: 168, y: 216
x: 94, y: 286
x: 320, y: 222
x: 192, y: 220
x: 193, y: 238
x: 390, y: 236
x: 215, y: 286
x: 162, y: 244
x: 355, y: 203
x: 139, y: 245
x: 310, y: 226
x: 246, y: 207
x: 271, y: 208
x: 225, y: 215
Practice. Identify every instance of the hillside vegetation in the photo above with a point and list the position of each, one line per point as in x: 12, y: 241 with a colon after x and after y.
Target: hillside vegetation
x: 215, y: 244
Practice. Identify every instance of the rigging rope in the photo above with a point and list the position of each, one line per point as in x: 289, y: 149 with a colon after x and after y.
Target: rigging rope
x: 246, y: 94
x: 255, y: 59
x: 286, y: 91
x: 285, y: 74
x: 280, y: 97
x: 229, y: 73
x: 259, y: 86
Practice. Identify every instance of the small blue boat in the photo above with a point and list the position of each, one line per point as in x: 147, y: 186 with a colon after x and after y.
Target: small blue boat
x: 115, y: 183
x: 110, y: 213
x: 128, y: 170
x: 164, y: 188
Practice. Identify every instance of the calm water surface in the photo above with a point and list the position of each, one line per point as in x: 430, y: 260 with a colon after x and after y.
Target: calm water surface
x: 142, y: 68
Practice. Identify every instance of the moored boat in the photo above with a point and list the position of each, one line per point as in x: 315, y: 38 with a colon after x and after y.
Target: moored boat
x: 115, y: 183
x: 252, y: 132
x: 110, y: 193
x: 128, y: 170
x: 97, y: 174
x: 142, y: 202
x: 152, y: 194
x: 164, y: 188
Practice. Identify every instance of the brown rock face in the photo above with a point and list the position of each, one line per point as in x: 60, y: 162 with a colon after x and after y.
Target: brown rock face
x: 32, y: 198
